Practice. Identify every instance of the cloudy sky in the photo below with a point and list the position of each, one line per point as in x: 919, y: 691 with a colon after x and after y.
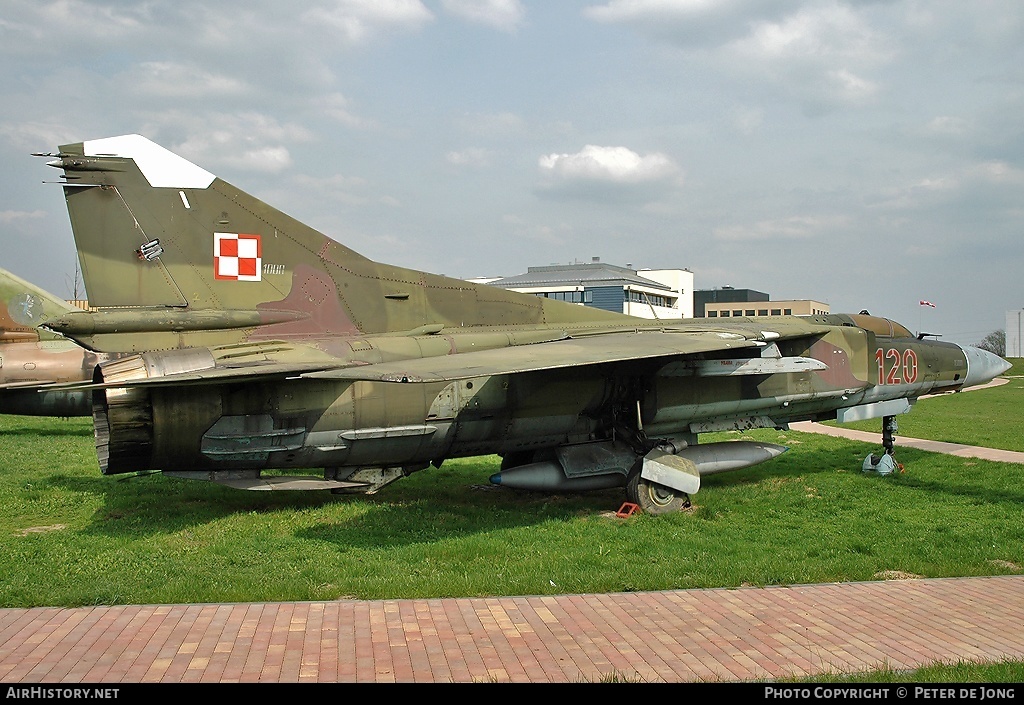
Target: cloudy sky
x: 865, y: 153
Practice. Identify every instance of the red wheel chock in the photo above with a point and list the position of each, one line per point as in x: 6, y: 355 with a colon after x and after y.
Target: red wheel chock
x: 627, y: 509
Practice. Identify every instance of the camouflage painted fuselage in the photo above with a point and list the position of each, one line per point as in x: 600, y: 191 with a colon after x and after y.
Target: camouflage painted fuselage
x: 320, y: 422
x: 262, y: 343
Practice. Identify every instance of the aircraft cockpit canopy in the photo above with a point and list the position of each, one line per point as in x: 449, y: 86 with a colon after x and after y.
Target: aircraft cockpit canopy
x: 882, y: 327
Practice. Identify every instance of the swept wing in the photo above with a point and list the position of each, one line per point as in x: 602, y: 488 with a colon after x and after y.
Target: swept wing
x: 631, y: 347
x: 573, y: 352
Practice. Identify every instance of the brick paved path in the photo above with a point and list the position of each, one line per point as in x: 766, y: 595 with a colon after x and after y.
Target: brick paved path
x: 672, y: 636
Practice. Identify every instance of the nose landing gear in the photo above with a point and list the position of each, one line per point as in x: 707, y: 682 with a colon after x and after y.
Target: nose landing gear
x: 886, y: 463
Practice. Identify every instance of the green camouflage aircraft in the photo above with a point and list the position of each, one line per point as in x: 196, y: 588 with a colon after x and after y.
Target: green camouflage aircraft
x: 260, y: 343
x: 32, y: 361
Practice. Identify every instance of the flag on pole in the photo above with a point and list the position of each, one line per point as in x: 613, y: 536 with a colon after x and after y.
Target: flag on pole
x: 927, y: 303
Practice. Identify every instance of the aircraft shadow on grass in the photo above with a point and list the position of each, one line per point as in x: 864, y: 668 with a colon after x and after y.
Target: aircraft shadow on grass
x: 147, y: 503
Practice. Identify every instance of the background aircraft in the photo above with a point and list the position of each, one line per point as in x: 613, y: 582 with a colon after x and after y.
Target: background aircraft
x: 261, y: 343
x: 32, y: 360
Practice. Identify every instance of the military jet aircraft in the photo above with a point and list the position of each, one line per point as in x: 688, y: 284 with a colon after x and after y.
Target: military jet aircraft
x: 260, y: 343
x: 33, y: 361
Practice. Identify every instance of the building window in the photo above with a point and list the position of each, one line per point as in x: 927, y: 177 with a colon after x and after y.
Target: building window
x: 712, y: 314
x: 575, y: 297
x: 789, y: 311
x: 762, y: 312
x: 749, y: 312
x: 738, y: 313
x: 776, y: 311
x: 640, y: 297
x: 725, y: 314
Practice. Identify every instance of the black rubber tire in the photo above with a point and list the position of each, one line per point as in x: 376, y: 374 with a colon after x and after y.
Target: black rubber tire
x: 655, y: 499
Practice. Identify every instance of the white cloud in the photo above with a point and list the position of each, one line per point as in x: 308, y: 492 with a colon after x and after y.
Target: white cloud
x: 219, y: 148
x: 168, y: 79
x: 38, y: 136
x: 922, y: 193
x: 550, y: 236
x: 269, y: 158
x: 247, y: 141
x: 336, y: 107
x: 946, y: 125
x: 941, y: 183
x: 340, y: 189
x: 98, y: 20
x: 849, y: 87
x: 690, y: 22
x: 797, y: 227
x: 473, y: 157
x: 256, y: 28
x: 818, y: 32
x: 824, y: 55
x: 821, y: 52
x: 609, y: 164
x: 492, y: 124
x: 504, y: 15
x: 747, y: 121
x: 360, y: 20
x: 8, y: 217
x: 996, y: 172
x: 652, y: 10
x: 995, y: 182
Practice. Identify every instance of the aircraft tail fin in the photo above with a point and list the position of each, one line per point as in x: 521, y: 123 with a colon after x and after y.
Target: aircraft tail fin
x: 24, y: 306
x: 155, y: 231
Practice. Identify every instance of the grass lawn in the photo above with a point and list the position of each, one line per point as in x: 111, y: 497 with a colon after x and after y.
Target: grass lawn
x: 69, y: 536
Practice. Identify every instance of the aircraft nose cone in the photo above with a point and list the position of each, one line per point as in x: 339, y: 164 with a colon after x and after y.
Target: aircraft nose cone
x: 982, y: 366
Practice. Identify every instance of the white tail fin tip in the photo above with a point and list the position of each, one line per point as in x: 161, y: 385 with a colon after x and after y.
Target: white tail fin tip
x: 162, y: 168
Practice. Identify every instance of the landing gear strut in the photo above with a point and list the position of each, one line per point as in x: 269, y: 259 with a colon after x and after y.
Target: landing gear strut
x: 886, y: 464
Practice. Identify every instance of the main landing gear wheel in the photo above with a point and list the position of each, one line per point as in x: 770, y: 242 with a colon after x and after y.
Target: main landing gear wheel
x: 653, y: 498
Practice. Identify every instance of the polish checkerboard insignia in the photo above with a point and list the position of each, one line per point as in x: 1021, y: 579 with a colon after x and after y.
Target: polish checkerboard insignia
x: 237, y: 257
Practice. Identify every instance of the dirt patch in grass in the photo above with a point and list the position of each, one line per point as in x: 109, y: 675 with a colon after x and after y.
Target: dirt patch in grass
x: 1005, y: 564
x: 41, y: 529
x: 897, y: 575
